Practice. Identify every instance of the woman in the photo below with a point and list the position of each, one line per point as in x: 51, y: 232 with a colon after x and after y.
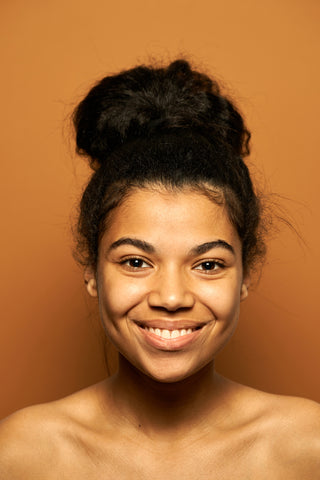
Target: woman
x: 170, y: 230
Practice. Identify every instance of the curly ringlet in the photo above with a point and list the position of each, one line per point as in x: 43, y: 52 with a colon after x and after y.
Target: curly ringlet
x: 169, y: 127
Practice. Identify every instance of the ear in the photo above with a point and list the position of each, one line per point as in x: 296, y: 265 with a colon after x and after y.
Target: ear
x: 90, y: 281
x: 244, y: 292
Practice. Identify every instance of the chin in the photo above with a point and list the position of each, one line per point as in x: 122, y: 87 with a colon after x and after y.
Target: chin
x: 172, y: 374
x: 173, y: 378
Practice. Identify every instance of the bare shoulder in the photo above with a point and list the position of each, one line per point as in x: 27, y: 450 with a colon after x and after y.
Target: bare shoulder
x: 281, y: 433
x: 292, y: 428
x: 26, y: 443
x: 300, y: 421
x: 35, y: 441
x: 294, y: 415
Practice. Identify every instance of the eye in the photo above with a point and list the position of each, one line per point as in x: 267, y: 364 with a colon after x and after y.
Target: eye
x: 135, y: 263
x: 209, y: 266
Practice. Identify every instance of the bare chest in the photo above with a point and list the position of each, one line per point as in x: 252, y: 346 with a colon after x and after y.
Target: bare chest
x: 122, y: 461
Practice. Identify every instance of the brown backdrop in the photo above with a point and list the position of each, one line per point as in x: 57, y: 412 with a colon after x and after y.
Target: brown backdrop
x: 51, y: 52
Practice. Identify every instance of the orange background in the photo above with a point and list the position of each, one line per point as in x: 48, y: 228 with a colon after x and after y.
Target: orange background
x: 51, y: 52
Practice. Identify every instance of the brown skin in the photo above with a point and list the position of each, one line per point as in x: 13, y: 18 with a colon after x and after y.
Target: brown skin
x: 166, y: 413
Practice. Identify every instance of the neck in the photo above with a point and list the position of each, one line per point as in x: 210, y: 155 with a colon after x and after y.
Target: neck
x: 167, y: 408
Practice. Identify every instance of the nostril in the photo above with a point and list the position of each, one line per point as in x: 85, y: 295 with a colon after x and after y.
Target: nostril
x: 171, y: 302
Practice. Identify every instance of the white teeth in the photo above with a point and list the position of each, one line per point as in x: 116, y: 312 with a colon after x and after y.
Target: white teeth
x: 175, y: 334
x: 164, y: 333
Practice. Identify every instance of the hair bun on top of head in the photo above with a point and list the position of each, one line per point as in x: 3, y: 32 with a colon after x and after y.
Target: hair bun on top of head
x: 146, y: 101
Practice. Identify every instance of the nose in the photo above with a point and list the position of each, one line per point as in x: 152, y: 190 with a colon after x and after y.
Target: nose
x: 171, y: 292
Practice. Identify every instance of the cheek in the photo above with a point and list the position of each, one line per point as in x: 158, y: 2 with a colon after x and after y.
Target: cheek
x: 222, y: 299
x: 116, y: 298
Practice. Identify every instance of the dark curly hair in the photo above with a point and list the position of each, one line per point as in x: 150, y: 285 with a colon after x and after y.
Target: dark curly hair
x: 168, y: 126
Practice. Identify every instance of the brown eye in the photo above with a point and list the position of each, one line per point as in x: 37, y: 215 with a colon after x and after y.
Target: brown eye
x: 209, y: 266
x: 135, y: 263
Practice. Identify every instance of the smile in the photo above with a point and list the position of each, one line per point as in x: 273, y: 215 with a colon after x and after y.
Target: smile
x: 164, y: 333
x: 169, y: 335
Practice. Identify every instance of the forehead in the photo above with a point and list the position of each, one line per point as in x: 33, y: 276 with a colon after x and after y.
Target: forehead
x: 160, y: 216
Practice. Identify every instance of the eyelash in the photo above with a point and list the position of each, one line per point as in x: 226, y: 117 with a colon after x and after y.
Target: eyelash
x: 125, y: 262
x: 217, y: 264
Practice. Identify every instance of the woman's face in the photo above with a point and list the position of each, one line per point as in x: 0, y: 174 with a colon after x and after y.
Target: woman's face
x: 169, y: 281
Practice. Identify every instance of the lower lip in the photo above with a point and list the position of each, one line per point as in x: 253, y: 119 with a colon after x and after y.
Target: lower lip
x: 169, y: 343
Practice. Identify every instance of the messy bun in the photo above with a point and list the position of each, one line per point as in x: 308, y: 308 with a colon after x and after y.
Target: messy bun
x: 144, y: 100
x: 169, y: 126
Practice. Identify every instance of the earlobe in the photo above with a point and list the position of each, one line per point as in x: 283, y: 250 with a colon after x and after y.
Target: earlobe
x: 91, y: 283
x: 244, y: 289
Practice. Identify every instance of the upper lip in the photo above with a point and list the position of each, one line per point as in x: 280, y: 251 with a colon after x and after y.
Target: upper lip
x: 170, y: 324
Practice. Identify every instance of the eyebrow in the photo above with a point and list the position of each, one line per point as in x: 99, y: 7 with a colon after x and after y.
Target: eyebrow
x: 149, y: 248
x: 135, y: 242
x: 205, y: 247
